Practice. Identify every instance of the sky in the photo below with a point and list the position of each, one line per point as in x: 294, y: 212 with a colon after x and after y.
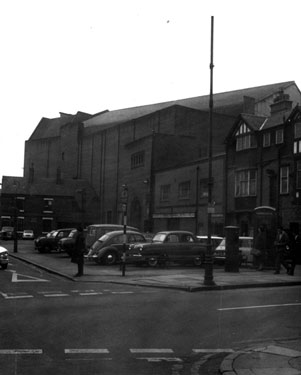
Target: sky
x: 92, y: 55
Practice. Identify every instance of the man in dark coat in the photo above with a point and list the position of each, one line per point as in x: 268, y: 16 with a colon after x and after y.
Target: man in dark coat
x: 260, y: 244
x: 78, y: 252
x: 282, y: 241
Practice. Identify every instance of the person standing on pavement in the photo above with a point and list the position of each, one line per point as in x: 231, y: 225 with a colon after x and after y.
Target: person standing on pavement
x: 295, y: 251
x: 260, y: 244
x: 78, y: 252
x: 281, y: 243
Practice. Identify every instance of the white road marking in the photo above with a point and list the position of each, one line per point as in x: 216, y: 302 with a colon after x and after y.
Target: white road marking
x: 21, y: 351
x: 76, y: 351
x: 213, y: 350
x: 160, y: 359
x: 122, y: 292
x: 259, y: 307
x: 57, y: 295
x: 90, y: 293
x: 151, y: 350
x: 19, y: 278
x: 15, y: 296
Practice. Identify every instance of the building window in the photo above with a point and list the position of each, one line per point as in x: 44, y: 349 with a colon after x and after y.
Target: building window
x: 298, y: 177
x: 20, y: 204
x: 245, y: 183
x: 284, y: 180
x: 184, y: 190
x: 244, y: 138
x: 20, y: 224
x: 164, y: 193
x: 137, y: 159
x: 48, y: 202
x: 279, y: 136
x: 204, y: 188
x: 47, y: 224
x: 266, y: 139
x: 297, y: 136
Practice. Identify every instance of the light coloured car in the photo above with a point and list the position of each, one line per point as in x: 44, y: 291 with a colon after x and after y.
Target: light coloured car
x: 28, y: 234
x: 245, y: 247
x: 215, y: 241
x: 3, y: 257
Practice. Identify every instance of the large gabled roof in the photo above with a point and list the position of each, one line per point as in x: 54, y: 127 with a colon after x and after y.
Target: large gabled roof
x: 48, y: 128
x: 229, y: 102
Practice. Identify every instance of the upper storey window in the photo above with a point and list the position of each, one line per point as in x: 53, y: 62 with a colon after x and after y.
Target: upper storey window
x: 279, y: 136
x: 297, y: 138
x: 137, y: 159
x: 245, y: 139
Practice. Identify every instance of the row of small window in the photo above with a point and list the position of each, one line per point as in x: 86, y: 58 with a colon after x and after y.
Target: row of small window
x: 246, y: 181
x: 47, y: 207
x: 184, y: 190
x: 245, y: 139
x: 244, y: 142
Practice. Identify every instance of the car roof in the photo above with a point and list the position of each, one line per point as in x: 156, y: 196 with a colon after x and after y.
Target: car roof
x: 116, y: 232
x: 175, y: 232
x: 108, y: 225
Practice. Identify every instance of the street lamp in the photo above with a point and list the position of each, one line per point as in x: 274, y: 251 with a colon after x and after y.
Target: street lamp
x: 208, y: 278
x: 124, y: 201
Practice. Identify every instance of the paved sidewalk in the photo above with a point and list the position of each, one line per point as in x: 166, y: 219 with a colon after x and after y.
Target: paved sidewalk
x: 173, y: 277
x: 269, y: 360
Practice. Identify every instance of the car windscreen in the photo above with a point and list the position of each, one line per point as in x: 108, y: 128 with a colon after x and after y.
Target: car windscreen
x: 160, y: 237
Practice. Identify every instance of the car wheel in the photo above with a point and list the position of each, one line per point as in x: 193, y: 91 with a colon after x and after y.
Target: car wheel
x: 197, y: 261
x: 4, y: 266
x: 152, y: 262
x: 110, y: 258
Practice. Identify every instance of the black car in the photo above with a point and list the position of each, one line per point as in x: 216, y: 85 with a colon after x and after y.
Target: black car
x: 67, y: 243
x: 108, y: 249
x: 171, y: 246
x: 50, y: 241
x: 7, y: 233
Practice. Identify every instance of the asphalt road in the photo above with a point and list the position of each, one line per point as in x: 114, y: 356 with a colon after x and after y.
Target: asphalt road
x: 50, y: 325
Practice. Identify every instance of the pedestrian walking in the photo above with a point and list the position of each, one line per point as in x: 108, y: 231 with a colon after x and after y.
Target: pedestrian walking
x: 259, y: 251
x: 281, y: 245
x: 78, y: 252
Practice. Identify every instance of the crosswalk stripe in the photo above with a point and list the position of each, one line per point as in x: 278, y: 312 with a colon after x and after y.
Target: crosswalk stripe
x: 212, y: 350
x: 151, y: 350
x: 21, y: 351
x: 93, y: 351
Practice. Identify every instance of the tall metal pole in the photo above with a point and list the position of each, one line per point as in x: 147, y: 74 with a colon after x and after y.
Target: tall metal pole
x: 208, y: 278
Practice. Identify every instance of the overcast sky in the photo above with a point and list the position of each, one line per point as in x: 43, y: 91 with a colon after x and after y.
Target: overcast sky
x: 92, y: 55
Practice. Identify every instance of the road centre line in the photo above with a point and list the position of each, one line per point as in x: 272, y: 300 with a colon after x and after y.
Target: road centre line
x: 259, y: 306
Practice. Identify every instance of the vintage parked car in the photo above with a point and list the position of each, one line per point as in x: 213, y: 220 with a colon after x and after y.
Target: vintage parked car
x: 95, y: 231
x: 215, y: 241
x: 108, y: 249
x: 51, y: 240
x: 7, y: 233
x: 245, y: 246
x: 67, y: 243
x: 28, y: 234
x: 170, y: 246
x: 3, y: 257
